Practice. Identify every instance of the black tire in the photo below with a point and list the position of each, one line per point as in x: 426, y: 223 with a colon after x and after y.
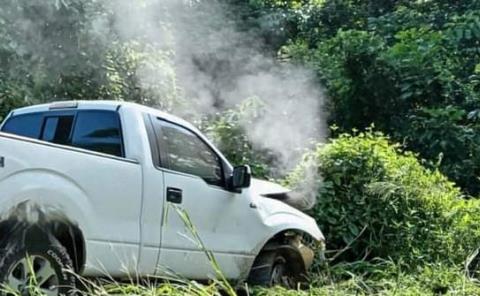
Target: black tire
x: 47, y: 256
x: 273, y: 269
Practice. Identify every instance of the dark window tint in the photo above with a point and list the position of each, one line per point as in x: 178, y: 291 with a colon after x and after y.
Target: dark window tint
x: 28, y: 125
x: 187, y: 153
x: 98, y: 131
x: 57, y: 129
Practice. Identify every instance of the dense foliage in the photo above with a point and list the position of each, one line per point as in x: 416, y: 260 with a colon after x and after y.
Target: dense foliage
x: 378, y: 202
x: 395, y: 224
x: 52, y: 50
x: 410, y: 67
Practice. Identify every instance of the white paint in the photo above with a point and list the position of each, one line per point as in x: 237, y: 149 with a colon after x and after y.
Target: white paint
x: 119, y: 204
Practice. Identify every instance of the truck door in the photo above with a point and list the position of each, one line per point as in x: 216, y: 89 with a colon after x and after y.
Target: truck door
x: 194, y: 184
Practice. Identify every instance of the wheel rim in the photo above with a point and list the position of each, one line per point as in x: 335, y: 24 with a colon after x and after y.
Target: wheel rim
x: 279, y: 273
x: 33, y: 273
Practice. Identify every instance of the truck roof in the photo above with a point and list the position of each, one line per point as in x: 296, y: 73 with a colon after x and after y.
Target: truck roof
x: 100, y: 105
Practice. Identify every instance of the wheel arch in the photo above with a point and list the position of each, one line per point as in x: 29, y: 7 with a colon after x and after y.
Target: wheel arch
x: 287, y: 237
x: 61, y: 210
x: 289, y: 244
x: 66, y: 232
x: 282, y: 223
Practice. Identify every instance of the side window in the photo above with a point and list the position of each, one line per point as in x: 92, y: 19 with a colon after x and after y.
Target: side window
x: 98, y: 131
x: 57, y: 129
x: 28, y: 125
x: 187, y: 153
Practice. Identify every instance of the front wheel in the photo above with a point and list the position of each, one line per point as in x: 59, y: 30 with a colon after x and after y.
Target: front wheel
x: 272, y: 268
x: 40, y: 268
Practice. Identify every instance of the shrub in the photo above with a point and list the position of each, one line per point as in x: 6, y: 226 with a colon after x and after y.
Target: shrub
x: 378, y: 201
x: 450, y: 135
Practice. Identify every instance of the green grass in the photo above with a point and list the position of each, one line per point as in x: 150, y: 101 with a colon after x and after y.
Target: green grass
x: 360, y: 278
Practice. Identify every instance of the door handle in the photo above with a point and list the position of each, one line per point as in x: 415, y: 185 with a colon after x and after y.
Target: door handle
x: 174, y: 195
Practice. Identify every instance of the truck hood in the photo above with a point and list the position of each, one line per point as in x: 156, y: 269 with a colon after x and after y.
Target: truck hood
x: 262, y: 187
x: 278, y: 207
x: 275, y: 191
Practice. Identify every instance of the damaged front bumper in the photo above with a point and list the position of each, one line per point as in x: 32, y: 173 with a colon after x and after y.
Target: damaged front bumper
x: 308, y: 253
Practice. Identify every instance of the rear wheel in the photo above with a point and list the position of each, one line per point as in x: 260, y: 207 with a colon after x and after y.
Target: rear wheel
x: 40, y: 268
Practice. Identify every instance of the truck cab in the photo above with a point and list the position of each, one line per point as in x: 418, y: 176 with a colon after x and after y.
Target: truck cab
x: 128, y: 190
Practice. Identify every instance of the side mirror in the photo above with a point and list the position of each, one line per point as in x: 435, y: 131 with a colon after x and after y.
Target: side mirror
x: 241, y: 177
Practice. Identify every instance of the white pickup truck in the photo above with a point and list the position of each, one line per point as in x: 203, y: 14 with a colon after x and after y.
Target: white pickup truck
x: 96, y: 187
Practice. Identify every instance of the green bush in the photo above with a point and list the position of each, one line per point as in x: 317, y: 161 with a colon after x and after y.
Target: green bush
x: 384, y: 62
x: 450, y: 138
x: 377, y: 201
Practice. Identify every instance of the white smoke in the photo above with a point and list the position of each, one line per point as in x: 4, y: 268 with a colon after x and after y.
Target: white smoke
x: 205, y: 61
x: 217, y: 66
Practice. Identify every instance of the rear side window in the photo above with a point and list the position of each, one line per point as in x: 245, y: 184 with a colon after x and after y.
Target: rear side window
x: 57, y: 129
x: 98, y: 131
x: 28, y: 125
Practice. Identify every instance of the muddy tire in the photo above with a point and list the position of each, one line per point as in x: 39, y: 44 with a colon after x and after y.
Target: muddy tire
x: 36, y: 266
x: 272, y: 269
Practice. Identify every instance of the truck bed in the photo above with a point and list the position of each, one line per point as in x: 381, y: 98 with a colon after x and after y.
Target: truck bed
x: 88, y: 187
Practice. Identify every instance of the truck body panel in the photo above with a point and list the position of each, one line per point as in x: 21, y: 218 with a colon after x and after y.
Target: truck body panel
x: 123, y: 203
x: 59, y: 178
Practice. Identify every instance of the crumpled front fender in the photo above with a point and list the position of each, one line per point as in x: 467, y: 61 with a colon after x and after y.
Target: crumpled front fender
x: 282, y: 222
x: 289, y: 221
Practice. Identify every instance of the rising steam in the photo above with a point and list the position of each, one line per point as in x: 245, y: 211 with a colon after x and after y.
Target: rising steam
x: 204, y: 64
x: 217, y: 66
